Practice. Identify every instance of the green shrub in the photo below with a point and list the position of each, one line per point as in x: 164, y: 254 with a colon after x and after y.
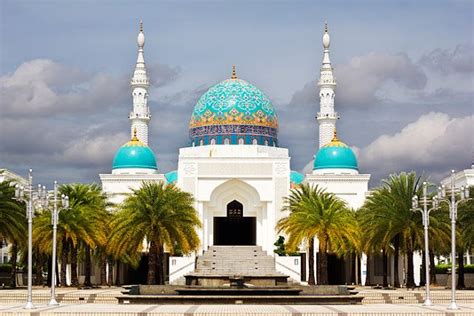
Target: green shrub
x: 5, y: 268
x: 443, y: 268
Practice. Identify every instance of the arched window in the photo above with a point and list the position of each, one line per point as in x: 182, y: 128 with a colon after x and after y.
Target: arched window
x: 254, y: 141
x: 213, y: 141
x: 235, y: 209
x: 241, y: 141
x: 201, y: 142
x: 226, y: 141
x: 266, y: 142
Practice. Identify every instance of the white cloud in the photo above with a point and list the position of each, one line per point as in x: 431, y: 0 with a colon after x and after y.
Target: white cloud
x: 433, y: 143
x: 42, y: 87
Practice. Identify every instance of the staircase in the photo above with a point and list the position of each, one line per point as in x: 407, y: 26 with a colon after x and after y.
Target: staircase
x: 221, y: 264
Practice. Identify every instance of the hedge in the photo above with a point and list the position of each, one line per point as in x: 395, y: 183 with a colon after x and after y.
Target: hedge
x: 443, y: 268
x: 6, y: 268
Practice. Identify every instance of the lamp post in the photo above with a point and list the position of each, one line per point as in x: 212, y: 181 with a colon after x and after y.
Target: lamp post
x: 453, y: 205
x: 426, y: 222
x: 54, y: 221
x: 29, y: 196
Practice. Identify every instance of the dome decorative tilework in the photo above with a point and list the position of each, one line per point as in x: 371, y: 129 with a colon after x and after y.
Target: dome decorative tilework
x: 233, y: 109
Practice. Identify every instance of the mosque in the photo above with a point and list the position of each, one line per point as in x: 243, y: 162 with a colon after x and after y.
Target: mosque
x: 234, y: 166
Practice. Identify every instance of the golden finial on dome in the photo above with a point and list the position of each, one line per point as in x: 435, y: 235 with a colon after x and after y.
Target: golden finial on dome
x: 325, y: 26
x: 141, y: 25
x: 234, y: 74
x: 134, y: 138
x: 334, y: 137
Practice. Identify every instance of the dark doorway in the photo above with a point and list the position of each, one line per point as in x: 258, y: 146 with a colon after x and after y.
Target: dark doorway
x: 235, y: 229
x: 336, y: 270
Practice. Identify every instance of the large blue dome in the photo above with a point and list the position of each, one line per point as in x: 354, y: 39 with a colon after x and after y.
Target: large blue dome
x: 335, y: 155
x: 134, y: 154
x: 233, y: 112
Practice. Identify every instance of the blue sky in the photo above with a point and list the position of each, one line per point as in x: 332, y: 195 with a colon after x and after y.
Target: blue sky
x: 404, y: 70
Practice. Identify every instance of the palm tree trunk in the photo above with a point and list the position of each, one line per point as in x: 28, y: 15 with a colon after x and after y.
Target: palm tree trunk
x: 64, y: 254
x: 74, y: 278
x: 110, y: 280
x: 432, y: 268
x: 39, y: 270
x: 323, y: 262
x: 160, y: 266
x: 368, y: 280
x: 410, y: 270
x: 461, y: 285
x: 14, y: 260
x: 151, y: 277
x: 359, y: 270
x: 87, y: 266
x: 396, y: 254
x: 385, y: 268
x: 103, y: 270
x: 423, y: 267
x: 117, y: 273
x: 311, y: 280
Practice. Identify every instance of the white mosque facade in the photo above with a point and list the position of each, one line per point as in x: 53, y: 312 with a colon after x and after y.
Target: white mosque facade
x: 234, y: 165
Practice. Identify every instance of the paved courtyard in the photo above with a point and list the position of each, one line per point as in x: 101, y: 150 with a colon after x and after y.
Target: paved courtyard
x: 253, y: 310
x: 101, y: 301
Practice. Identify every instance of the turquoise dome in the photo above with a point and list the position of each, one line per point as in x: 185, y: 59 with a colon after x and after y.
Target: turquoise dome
x: 171, y: 177
x: 296, y: 178
x: 233, y: 112
x: 335, y: 155
x: 134, y: 154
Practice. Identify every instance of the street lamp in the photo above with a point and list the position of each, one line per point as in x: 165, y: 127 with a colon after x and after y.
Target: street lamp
x: 29, y: 196
x: 426, y: 222
x: 453, y: 205
x: 54, y: 221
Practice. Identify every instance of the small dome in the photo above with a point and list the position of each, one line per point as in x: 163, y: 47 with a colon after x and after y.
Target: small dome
x: 233, y: 112
x: 335, y: 155
x: 134, y: 154
x: 171, y: 177
x: 296, y: 178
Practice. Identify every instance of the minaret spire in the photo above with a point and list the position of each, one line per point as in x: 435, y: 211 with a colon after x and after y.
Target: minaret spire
x: 326, y: 116
x: 140, y: 114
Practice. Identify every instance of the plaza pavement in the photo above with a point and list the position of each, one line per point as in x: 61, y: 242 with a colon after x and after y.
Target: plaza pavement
x: 102, y: 302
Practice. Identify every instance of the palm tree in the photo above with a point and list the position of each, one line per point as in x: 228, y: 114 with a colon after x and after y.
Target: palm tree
x: 315, y: 213
x: 12, y: 223
x: 391, y: 225
x: 466, y: 232
x: 83, y: 224
x: 160, y: 214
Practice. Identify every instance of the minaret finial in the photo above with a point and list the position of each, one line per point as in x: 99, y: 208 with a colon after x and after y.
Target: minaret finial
x: 326, y: 38
x: 141, y: 36
x: 234, y: 74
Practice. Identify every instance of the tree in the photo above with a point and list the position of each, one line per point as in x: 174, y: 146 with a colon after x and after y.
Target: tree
x: 466, y: 234
x: 82, y: 225
x: 391, y: 224
x: 315, y: 213
x: 160, y: 214
x: 12, y: 223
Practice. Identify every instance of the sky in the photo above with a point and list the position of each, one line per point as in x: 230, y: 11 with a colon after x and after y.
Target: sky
x: 404, y: 70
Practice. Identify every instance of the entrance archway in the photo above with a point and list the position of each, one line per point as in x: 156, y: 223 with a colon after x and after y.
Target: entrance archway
x: 235, y: 229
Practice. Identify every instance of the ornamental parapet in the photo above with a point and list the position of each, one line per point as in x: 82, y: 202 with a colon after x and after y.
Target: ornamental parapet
x: 322, y: 116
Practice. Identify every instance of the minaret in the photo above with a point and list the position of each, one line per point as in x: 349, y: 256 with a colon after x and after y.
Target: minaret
x: 140, y: 114
x: 327, y: 84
